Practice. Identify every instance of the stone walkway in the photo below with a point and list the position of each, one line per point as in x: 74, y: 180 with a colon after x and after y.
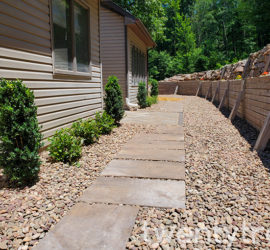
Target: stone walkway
x: 148, y: 172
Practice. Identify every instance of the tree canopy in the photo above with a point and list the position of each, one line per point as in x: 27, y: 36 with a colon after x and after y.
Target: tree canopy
x: 196, y: 35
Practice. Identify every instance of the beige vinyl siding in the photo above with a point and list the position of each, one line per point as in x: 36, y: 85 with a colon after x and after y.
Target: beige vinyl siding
x: 113, y: 47
x: 134, y: 40
x: 26, y: 53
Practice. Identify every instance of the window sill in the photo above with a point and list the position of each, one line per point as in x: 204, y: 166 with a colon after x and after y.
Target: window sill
x: 67, y: 74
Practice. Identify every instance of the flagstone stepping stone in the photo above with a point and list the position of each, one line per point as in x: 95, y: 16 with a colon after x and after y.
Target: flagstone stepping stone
x: 156, y: 118
x: 145, y: 169
x: 158, y: 137
x: 173, y: 130
x: 94, y: 227
x: 133, y: 191
x: 151, y: 154
x: 166, y: 145
x: 181, y: 118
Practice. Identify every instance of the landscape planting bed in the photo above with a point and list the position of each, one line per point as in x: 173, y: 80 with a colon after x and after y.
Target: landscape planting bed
x: 227, y: 189
x: 26, y: 215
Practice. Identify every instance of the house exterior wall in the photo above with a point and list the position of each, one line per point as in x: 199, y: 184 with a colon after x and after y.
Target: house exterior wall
x: 134, y: 40
x: 113, y: 47
x: 26, y: 54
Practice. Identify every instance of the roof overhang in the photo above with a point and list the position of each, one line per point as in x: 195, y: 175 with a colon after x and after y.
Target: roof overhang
x: 135, y: 24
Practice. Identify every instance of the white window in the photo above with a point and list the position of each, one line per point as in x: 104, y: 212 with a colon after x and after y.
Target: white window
x: 71, y: 33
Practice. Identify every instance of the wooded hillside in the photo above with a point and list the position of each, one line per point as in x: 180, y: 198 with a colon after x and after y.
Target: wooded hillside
x: 197, y: 35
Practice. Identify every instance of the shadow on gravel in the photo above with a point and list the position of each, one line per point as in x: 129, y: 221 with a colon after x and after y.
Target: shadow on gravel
x: 4, y: 184
x: 250, y: 134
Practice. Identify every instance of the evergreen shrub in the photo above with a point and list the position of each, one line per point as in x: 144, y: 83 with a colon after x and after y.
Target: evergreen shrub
x: 113, y: 99
x: 87, y: 130
x: 105, y: 122
x: 142, y: 95
x: 154, y: 87
x: 151, y: 100
x: 20, y: 137
x: 65, y: 146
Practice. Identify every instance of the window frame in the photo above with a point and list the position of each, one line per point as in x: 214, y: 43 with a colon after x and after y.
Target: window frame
x: 73, y: 72
x: 138, y: 61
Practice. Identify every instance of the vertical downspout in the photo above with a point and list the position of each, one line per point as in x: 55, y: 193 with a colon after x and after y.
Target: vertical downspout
x: 126, y: 59
x: 147, y: 76
x: 100, y: 60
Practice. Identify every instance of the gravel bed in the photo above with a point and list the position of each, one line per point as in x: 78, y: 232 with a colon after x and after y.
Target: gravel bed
x: 26, y: 215
x: 227, y: 189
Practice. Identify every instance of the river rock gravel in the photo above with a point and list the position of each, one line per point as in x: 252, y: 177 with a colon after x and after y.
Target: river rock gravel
x: 227, y: 189
x: 26, y: 215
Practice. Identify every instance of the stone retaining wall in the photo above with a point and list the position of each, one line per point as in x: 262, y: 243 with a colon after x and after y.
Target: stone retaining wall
x: 255, y: 65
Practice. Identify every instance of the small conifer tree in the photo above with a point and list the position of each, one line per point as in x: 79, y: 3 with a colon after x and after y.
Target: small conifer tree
x: 142, y: 95
x: 113, y: 99
x: 154, y: 87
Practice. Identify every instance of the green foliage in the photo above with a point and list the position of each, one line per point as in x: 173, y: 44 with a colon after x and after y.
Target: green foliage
x: 254, y: 16
x: 20, y: 139
x: 154, y: 87
x: 151, y: 100
x: 177, y: 53
x: 229, y: 29
x: 155, y: 18
x: 66, y: 143
x: 197, y: 35
x: 161, y: 64
x: 88, y: 130
x: 142, y: 94
x: 114, y: 100
x: 104, y: 122
x: 65, y: 146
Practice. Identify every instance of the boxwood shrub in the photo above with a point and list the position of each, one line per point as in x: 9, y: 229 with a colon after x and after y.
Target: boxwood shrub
x: 87, y: 130
x: 105, y: 122
x: 20, y: 138
x: 65, y: 146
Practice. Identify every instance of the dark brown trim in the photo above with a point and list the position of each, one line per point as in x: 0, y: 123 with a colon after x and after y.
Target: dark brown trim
x: 146, y: 33
x: 51, y: 35
x: 147, y: 75
x: 74, y: 59
x: 126, y: 60
x: 140, y: 32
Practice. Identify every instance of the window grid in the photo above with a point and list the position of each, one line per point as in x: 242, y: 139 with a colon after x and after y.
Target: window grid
x: 138, y: 65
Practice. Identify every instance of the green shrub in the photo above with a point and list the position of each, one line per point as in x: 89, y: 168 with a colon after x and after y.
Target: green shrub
x: 151, y: 100
x: 154, y: 87
x: 104, y: 122
x: 87, y: 130
x: 20, y: 138
x: 65, y: 146
x: 114, y: 100
x: 154, y: 99
x: 142, y: 95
